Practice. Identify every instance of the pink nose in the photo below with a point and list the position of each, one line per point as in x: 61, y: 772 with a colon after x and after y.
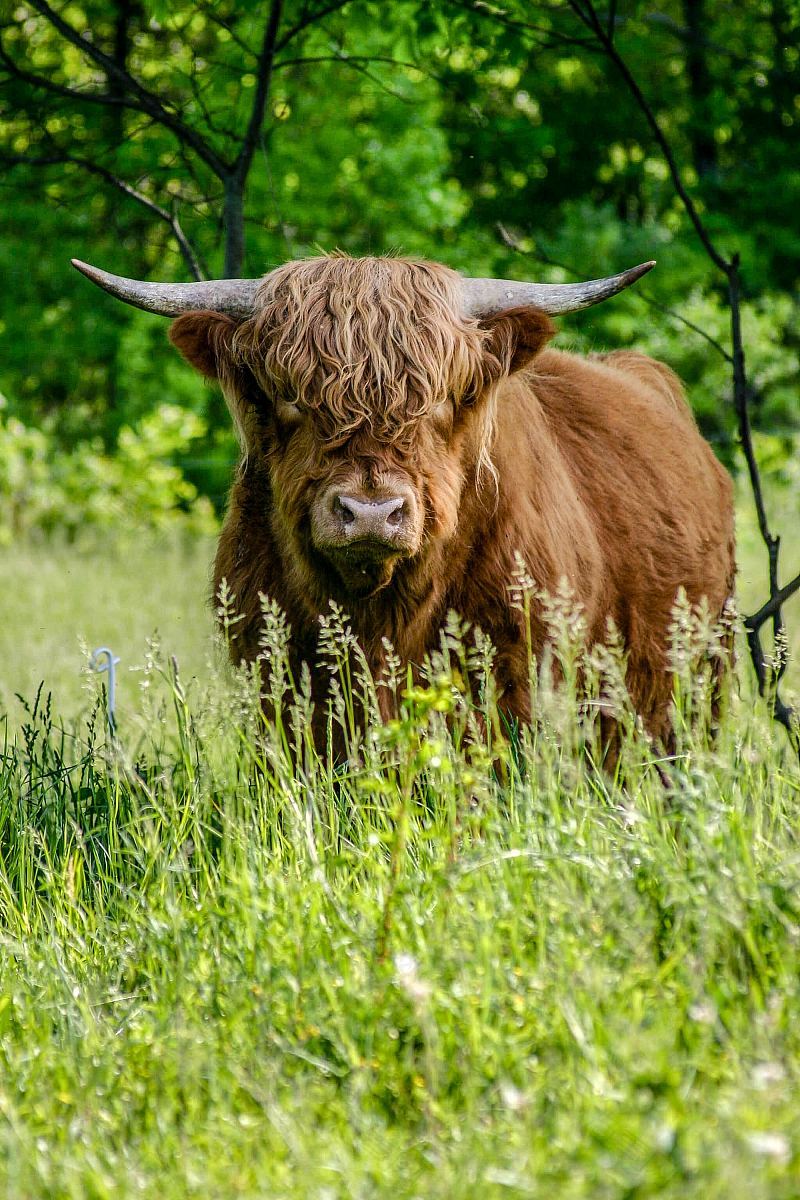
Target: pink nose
x: 379, y: 519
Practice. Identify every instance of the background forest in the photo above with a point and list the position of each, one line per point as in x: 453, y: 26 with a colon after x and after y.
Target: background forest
x: 459, y: 964
x: 185, y: 140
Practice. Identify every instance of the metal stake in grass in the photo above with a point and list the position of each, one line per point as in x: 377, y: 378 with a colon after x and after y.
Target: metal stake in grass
x: 104, y: 659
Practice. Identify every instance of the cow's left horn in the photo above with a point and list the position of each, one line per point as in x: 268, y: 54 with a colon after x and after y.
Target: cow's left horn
x: 484, y: 297
x: 233, y: 296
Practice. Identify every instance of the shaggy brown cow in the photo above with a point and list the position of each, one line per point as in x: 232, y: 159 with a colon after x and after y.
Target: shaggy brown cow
x: 406, y: 434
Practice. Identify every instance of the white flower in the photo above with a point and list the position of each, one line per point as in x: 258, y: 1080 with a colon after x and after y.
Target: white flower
x: 771, y: 1145
x: 408, y: 978
x: 766, y: 1074
x: 512, y: 1097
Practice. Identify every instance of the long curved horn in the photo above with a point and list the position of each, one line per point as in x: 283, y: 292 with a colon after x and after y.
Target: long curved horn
x: 484, y: 297
x: 233, y: 296
x: 481, y: 297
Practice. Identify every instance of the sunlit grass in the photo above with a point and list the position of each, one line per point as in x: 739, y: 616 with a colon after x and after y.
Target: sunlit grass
x: 118, y: 592
x: 123, y: 590
x: 452, y: 966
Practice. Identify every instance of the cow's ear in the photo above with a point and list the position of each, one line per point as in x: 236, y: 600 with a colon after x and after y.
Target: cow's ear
x: 204, y: 340
x: 516, y: 337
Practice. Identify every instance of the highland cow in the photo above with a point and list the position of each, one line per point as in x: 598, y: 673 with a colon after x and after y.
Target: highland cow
x: 407, y: 436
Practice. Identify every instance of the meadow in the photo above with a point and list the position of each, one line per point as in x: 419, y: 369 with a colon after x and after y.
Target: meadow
x: 456, y: 967
x: 466, y: 963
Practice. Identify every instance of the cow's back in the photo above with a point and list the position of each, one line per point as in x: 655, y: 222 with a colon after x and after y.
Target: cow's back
x: 624, y: 450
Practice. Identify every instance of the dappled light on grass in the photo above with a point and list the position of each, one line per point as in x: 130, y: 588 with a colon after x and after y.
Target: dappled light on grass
x: 463, y: 958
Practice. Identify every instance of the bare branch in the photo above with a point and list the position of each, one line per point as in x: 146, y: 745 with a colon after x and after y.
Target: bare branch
x: 501, y: 17
x: 740, y: 395
x: 59, y: 158
x: 208, y: 11
x: 773, y: 604
x: 197, y: 92
x: 306, y: 19
x: 344, y: 57
x: 512, y: 241
x: 768, y: 678
x: 57, y: 89
x: 263, y: 79
x: 355, y: 61
x: 147, y: 101
x: 587, y: 14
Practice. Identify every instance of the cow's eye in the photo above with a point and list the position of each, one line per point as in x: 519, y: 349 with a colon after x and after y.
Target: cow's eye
x: 443, y: 412
x: 288, y: 413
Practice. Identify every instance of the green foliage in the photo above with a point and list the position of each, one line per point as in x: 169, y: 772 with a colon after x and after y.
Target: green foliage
x: 447, y: 970
x: 459, y: 966
x: 43, y: 489
x: 417, y: 130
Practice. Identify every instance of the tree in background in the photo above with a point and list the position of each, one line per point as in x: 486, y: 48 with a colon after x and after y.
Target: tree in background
x: 194, y: 80
x: 206, y: 138
x: 717, y: 130
x: 143, y: 132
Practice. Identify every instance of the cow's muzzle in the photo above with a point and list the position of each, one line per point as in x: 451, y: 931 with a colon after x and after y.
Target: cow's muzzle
x: 363, y: 534
x: 377, y: 521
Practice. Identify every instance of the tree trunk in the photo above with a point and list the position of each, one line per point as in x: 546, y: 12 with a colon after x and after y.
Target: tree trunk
x: 114, y: 119
x: 233, y: 224
x: 784, y: 35
x: 124, y: 11
x: 701, y: 125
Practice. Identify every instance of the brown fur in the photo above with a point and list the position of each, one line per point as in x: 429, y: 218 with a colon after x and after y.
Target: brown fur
x: 361, y: 371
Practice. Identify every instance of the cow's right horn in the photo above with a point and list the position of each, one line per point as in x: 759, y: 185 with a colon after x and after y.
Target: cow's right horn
x: 236, y: 297
x: 485, y: 297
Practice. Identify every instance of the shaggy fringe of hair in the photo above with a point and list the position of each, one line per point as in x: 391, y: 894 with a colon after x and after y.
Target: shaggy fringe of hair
x: 373, y: 344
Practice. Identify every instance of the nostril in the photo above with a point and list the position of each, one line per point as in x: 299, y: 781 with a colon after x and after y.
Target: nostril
x: 395, y: 517
x: 343, y: 511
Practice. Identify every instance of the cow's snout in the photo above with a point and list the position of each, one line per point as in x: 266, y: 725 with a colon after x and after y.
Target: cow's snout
x: 364, y: 531
x: 381, y: 520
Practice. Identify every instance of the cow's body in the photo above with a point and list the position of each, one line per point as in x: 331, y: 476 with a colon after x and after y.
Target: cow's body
x: 407, y: 439
x: 590, y: 469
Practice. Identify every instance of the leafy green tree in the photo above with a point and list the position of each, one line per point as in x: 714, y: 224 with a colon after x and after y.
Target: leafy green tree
x: 174, y: 140
x: 178, y: 140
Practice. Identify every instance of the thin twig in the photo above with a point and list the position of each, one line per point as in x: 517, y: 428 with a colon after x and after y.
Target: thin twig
x: 146, y: 100
x: 512, y: 241
x: 587, y: 14
x: 306, y: 19
x: 208, y: 11
x: 57, y: 89
x: 62, y: 158
x: 501, y: 17
x: 344, y: 57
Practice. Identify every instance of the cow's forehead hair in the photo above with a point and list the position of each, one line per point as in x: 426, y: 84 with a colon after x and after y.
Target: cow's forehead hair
x: 363, y: 341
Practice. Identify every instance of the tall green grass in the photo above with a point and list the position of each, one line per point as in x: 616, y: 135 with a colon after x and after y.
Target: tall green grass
x: 116, y: 590
x: 464, y: 961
